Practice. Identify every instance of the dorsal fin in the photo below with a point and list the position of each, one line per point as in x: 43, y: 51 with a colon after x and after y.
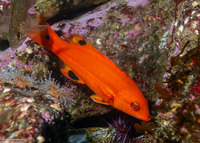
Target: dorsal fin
x: 79, y: 41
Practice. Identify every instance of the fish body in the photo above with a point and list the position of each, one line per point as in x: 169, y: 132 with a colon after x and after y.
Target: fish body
x: 111, y: 85
x: 18, y: 28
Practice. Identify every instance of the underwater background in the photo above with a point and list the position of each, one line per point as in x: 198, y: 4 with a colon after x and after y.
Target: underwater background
x: 156, y: 42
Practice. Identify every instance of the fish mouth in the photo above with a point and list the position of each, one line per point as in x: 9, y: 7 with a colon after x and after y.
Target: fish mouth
x: 147, y: 118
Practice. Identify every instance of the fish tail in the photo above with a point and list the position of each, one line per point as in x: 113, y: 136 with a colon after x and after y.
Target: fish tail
x: 44, y: 35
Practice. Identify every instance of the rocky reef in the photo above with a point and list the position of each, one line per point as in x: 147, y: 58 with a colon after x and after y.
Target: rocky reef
x: 156, y: 43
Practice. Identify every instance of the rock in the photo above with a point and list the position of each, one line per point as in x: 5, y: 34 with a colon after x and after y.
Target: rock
x: 25, y: 116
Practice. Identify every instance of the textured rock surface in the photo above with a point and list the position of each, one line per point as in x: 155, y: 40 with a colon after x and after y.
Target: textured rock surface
x: 48, y: 8
x: 24, y: 115
x: 64, y: 7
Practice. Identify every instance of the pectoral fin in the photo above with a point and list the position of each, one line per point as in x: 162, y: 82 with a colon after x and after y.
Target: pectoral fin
x: 98, y: 99
x: 69, y: 73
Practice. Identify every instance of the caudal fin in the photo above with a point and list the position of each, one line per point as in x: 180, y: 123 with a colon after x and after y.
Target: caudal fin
x: 43, y: 34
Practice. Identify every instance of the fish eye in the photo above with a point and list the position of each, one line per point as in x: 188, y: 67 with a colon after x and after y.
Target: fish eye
x: 135, y: 106
x: 18, y: 35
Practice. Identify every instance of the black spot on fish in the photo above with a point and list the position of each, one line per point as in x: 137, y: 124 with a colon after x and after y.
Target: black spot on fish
x: 82, y: 42
x: 72, y: 75
x: 47, y: 37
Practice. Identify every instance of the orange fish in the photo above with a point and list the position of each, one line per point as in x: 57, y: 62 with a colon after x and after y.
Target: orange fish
x: 85, y: 64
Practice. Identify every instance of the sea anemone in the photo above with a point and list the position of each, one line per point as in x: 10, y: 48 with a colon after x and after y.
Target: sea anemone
x: 124, y: 126
x: 23, y: 80
x: 3, y: 76
x: 51, y: 86
x: 17, y: 77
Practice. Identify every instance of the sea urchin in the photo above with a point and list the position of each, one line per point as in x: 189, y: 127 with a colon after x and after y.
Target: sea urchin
x: 124, y: 126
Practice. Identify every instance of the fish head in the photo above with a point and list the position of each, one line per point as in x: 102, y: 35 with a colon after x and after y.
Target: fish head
x: 132, y: 103
x: 17, y: 35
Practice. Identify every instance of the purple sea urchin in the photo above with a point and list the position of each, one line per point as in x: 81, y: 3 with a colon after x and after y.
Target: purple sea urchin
x: 124, y: 126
